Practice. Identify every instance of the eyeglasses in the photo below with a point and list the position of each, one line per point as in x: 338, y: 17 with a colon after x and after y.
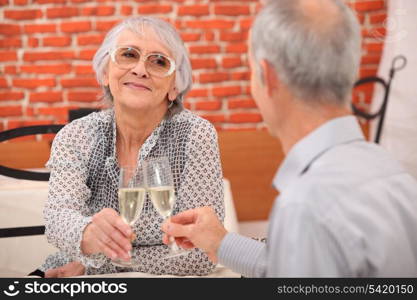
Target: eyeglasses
x: 155, y: 64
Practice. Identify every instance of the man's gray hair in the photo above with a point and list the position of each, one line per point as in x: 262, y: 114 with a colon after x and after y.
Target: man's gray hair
x: 316, y: 61
x: 167, y: 35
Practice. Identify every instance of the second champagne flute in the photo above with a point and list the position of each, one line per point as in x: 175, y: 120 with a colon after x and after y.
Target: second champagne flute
x: 131, y: 197
x: 160, y: 186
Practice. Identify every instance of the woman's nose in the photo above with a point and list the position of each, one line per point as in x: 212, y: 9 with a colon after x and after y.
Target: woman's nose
x: 140, y: 69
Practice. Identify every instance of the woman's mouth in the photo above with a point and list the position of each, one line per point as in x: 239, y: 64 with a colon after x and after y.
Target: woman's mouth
x: 137, y: 86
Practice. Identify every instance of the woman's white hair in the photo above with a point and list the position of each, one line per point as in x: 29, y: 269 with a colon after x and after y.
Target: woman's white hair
x: 316, y: 61
x: 167, y: 35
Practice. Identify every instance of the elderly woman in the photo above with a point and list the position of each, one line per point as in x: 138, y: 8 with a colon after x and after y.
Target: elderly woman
x: 145, y: 73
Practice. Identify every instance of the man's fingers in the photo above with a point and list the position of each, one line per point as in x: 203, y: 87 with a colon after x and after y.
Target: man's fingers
x: 185, y: 217
x: 178, y: 230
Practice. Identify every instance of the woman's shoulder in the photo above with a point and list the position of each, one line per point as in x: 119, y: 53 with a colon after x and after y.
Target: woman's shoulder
x: 87, y: 127
x: 193, y: 121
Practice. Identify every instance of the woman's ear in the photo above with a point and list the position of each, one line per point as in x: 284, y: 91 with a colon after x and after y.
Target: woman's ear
x: 172, y: 94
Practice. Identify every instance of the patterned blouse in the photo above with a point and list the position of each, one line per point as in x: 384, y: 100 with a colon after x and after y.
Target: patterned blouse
x: 84, y: 180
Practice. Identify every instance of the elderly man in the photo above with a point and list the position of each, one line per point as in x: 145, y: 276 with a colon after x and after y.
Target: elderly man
x: 346, y: 208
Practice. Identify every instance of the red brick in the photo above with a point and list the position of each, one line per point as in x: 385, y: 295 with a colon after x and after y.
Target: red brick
x: 209, y: 36
x: 205, y: 49
x: 214, y: 77
x: 208, y: 105
x: 214, y: 118
x: 76, y: 27
x: 98, y: 11
x: 10, y: 70
x: 371, y: 59
x: 87, y: 54
x: 9, y: 111
x: 8, y: 55
x: 210, y: 24
x: 20, y: 2
x: 237, y: 48
x: 203, y: 63
x: 83, y: 96
x: 46, y: 69
x: 83, y: 70
x: 245, y: 23
x: 60, y: 112
x: 50, y: 1
x: 9, y: 29
x: 33, y: 42
x: 233, y: 36
x: 39, y: 28
x: 11, y: 43
x: 231, y: 62
x: 3, y: 83
x: 4, y: 96
x: 27, y: 14
x: 378, y: 18
x: 374, y: 47
x: 366, y: 72
x: 197, y: 93
x: 190, y: 37
x: 105, y: 25
x: 126, y: 10
x: 50, y: 55
x: 365, y: 6
x: 33, y: 83
x: 154, y: 9
x: 241, y: 103
x: 92, y: 39
x: 245, y: 118
x: 227, y: 91
x: 61, y: 12
x: 231, y: 10
x: 193, y: 10
x: 79, y: 82
x: 57, y: 41
x: 46, y: 97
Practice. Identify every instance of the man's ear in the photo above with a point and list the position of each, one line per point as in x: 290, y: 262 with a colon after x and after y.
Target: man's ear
x: 172, y: 94
x: 270, y: 77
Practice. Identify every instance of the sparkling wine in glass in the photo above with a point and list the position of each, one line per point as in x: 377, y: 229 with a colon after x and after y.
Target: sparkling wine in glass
x: 160, y: 186
x: 131, y: 196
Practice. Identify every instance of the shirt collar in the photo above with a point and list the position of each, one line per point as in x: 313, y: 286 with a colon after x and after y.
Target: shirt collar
x: 334, y: 132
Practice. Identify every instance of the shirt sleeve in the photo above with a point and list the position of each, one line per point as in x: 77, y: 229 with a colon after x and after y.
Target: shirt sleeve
x: 243, y: 255
x: 66, y: 212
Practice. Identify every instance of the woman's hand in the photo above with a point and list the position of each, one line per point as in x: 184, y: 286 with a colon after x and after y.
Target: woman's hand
x: 108, y: 234
x: 71, y: 269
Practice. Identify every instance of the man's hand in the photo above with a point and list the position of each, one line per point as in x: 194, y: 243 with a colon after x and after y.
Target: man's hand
x: 108, y: 234
x: 199, y: 228
x: 71, y: 269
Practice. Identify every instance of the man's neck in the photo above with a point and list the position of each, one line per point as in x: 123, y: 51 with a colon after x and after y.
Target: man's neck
x: 303, y: 120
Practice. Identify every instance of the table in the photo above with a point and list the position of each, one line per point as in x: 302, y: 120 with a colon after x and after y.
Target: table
x: 219, y: 272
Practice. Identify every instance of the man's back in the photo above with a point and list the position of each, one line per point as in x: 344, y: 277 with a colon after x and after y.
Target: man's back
x: 352, y: 212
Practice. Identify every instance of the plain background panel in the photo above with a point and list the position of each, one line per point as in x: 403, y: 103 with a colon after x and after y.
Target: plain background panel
x: 399, y: 135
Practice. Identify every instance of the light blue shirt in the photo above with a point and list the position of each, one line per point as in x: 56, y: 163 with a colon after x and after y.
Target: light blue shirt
x: 345, y: 209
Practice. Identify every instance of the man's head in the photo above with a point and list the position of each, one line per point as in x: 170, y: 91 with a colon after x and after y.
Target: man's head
x: 313, y: 47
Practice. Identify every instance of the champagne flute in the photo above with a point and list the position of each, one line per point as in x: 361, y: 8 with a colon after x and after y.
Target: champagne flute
x: 160, y: 186
x: 131, y: 196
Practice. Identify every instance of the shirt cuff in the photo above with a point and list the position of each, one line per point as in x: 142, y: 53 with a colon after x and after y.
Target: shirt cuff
x: 92, y: 260
x: 242, y: 254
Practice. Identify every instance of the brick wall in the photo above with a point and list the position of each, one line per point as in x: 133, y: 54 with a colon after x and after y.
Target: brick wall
x: 46, y: 47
